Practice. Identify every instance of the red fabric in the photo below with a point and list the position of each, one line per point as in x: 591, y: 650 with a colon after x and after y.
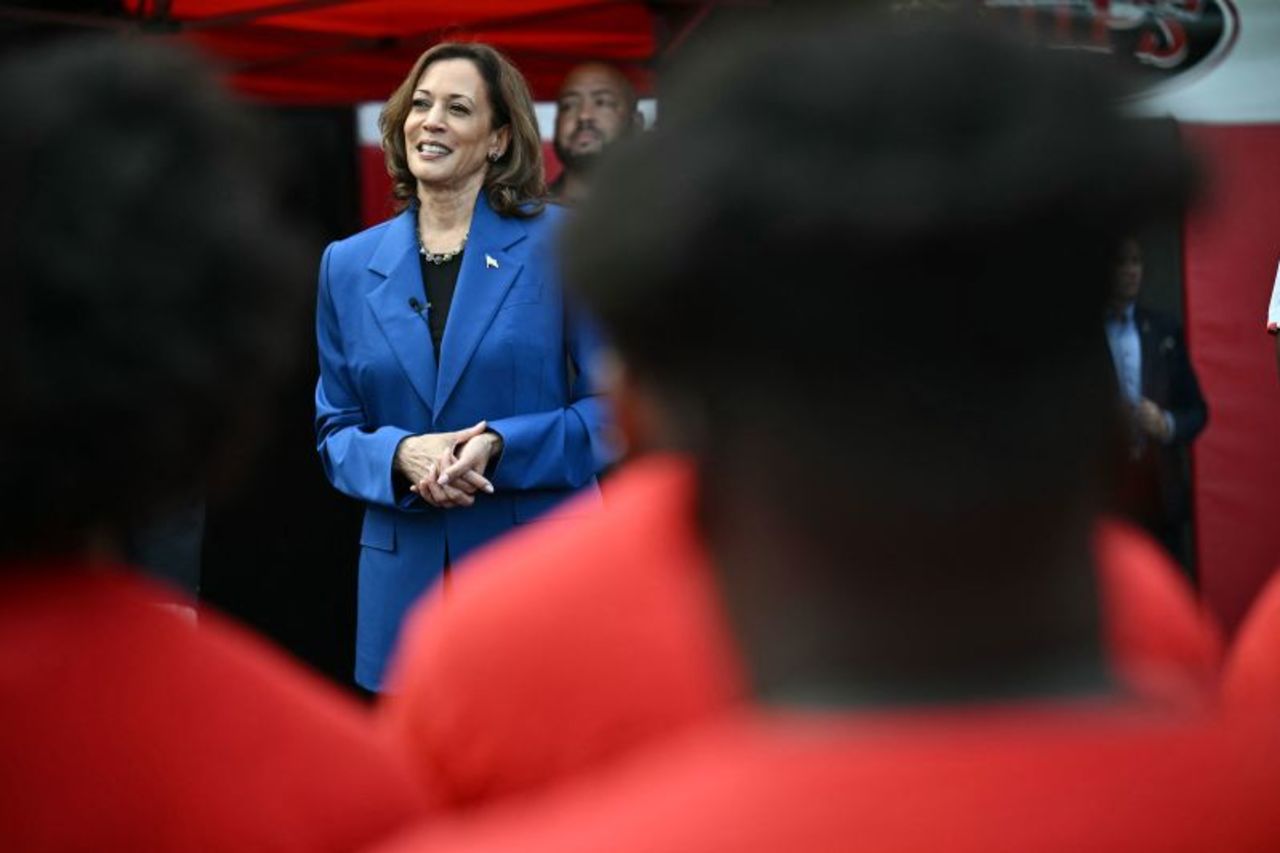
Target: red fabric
x: 348, y: 52
x: 1232, y: 247
x: 373, y: 18
x: 1003, y: 779
x: 1251, y: 680
x: 1161, y: 642
x: 564, y: 645
x: 568, y: 645
x: 124, y: 728
x: 552, y: 167
x: 375, y: 186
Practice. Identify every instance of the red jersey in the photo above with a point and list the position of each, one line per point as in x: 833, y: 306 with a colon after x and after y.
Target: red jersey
x: 1251, y: 680
x: 570, y: 643
x: 1050, y: 779
x: 122, y: 727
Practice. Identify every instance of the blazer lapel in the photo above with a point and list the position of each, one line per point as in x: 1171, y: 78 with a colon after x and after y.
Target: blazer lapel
x: 1147, y: 350
x: 483, y: 281
x: 406, y: 330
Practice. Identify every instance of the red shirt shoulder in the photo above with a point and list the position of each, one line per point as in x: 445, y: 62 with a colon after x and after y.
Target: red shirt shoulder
x: 1251, y: 679
x: 1106, y: 780
x: 125, y: 728
x: 565, y: 644
x: 1163, y: 643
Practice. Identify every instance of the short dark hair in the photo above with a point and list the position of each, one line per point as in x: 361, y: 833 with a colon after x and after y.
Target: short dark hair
x: 630, y: 98
x: 146, y: 287
x: 889, y: 240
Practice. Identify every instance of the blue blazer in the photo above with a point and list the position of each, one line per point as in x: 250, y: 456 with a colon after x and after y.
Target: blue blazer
x: 513, y: 354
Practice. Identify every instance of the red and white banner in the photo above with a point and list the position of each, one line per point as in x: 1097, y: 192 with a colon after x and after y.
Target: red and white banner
x: 1229, y: 109
x: 1214, y: 67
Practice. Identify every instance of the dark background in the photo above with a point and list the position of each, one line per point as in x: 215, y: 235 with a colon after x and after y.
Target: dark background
x: 280, y: 550
x: 1162, y: 254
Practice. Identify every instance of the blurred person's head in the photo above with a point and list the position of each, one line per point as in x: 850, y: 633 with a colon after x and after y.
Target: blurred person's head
x: 596, y: 107
x: 147, y: 290
x: 464, y: 114
x: 857, y: 271
x: 1127, y: 273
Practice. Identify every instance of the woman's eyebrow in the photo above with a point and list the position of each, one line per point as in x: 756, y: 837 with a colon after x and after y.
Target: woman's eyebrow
x: 454, y: 96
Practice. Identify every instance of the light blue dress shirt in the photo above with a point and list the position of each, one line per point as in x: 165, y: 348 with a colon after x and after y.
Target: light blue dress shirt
x: 1126, y: 352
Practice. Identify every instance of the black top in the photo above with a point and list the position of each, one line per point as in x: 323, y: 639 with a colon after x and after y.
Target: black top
x: 439, y: 282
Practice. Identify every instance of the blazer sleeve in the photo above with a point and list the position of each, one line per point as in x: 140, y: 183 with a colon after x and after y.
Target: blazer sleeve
x: 357, y: 458
x: 563, y: 448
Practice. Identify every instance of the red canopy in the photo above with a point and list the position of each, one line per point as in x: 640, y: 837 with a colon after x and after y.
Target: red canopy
x: 342, y: 51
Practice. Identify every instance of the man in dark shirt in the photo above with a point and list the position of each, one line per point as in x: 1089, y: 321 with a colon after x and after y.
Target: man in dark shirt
x: 595, y: 108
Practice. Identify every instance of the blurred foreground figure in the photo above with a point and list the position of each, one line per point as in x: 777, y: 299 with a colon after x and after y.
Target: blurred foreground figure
x: 144, y: 282
x: 830, y: 274
x: 1251, y: 677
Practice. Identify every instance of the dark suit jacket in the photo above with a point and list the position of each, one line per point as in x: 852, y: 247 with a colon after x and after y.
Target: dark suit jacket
x: 1169, y: 380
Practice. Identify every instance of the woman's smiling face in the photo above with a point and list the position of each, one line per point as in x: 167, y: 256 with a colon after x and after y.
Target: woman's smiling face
x: 449, y: 133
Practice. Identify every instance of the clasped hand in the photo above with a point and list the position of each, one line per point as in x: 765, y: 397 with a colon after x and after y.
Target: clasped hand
x: 1151, y: 420
x: 446, y: 469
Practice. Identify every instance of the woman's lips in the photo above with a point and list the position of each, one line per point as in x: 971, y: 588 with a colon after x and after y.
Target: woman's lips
x: 433, y: 150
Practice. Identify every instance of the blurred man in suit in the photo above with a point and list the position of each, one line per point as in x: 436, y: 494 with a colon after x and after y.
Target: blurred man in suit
x: 1165, y: 408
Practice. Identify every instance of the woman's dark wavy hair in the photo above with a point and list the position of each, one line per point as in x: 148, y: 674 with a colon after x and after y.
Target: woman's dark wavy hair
x: 146, y: 289
x: 516, y: 183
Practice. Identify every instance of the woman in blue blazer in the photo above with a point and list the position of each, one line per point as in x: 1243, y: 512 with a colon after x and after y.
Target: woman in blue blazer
x: 457, y: 394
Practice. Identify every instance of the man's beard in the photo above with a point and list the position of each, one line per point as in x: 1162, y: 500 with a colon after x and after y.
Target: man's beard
x: 577, y: 162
